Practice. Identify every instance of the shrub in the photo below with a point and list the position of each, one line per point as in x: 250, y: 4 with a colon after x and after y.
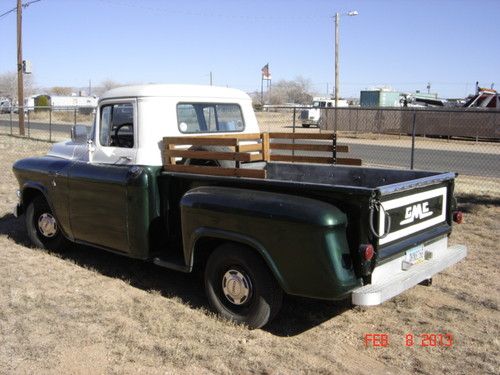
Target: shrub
x: 42, y: 103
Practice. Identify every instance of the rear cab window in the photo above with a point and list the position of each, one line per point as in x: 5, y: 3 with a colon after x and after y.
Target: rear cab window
x: 209, y: 118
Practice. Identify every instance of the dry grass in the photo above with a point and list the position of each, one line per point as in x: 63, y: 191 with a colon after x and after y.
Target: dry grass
x: 86, y: 311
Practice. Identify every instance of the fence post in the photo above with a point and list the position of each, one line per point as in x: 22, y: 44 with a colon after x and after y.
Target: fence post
x: 357, y: 123
x: 11, y: 120
x: 336, y: 119
x: 293, y: 140
x: 413, y: 130
x: 75, y: 117
x: 29, y: 124
x: 50, y: 124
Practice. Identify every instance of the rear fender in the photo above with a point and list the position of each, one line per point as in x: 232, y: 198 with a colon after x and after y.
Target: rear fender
x: 302, y: 240
x: 230, y: 236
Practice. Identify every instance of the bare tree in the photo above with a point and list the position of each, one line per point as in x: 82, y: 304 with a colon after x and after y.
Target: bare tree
x: 297, y: 91
x: 8, y: 85
x: 61, y: 90
x: 106, y: 85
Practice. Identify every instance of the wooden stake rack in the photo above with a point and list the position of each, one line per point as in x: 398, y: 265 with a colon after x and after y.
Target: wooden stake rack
x: 246, y: 148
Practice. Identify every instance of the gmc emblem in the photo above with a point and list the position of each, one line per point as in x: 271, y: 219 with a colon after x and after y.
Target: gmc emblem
x: 417, y: 211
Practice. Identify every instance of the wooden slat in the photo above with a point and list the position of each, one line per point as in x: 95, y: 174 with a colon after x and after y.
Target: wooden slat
x: 235, y: 135
x: 304, y: 147
x: 303, y: 159
x: 256, y: 157
x: 169, y: 159
x: 265, y: 146
x: 210, y: 155
x: 348, y: 161
x: 251, y: 148
x: 342, y: 148
x: 201, y: 141
x: 329, y: 136
x: 217, y: 171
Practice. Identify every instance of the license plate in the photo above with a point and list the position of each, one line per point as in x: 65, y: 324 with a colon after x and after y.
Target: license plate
x: 415, y: 255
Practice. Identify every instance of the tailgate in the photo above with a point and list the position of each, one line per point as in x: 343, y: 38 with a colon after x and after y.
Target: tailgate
x: 413, y: 215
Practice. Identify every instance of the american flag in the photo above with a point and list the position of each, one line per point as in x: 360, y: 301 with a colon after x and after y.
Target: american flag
x: 266, y: 74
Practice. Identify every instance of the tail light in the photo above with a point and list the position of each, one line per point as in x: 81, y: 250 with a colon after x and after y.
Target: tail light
x: 458, y: 217
x: 367, y: 252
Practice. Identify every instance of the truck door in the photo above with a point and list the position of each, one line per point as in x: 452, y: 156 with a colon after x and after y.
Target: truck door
x: 98, y: 189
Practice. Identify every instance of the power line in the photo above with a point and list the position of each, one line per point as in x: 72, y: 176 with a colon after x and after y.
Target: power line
x: 190, y: 13
x: 9, y: 11
x: 25, y: 5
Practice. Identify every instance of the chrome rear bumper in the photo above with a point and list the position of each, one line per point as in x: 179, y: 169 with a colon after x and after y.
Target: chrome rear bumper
x: 398, y: 280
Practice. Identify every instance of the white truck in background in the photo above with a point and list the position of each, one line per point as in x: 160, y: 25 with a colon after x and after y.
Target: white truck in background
x: 314, y: 115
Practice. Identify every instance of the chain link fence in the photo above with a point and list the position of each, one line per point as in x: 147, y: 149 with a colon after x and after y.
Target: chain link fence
x: 51, y: 124
x: 463, y: 141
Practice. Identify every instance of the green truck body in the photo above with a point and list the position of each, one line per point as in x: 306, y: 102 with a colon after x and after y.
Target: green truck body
x: 308, y: 230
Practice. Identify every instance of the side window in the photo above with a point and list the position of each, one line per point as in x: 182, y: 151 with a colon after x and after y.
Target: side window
x: 209, y: 118
x: 117, y: 125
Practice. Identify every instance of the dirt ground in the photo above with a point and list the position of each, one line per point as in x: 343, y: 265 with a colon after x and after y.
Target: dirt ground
x: 87, y: 311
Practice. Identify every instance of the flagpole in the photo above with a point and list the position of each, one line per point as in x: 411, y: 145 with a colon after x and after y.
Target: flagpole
x: 262, y: 89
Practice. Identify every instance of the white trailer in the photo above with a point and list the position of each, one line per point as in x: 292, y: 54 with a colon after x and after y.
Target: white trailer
x: 57, y: 101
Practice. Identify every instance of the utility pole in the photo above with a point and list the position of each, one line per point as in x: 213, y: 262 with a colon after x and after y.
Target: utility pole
x: 337, y: 17
x: 337, y: 21
x: 210, y: 78
x: 20, y: 82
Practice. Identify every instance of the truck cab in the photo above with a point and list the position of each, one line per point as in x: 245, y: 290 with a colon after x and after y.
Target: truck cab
x: 131, y: 122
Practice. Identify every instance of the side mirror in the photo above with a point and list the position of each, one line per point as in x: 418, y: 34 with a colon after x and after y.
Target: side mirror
x: 79, y: 133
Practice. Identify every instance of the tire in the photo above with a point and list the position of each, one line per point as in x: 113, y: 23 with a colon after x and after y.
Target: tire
x: 42, y: 226
x: 240, y: 286
x: 210, y: 163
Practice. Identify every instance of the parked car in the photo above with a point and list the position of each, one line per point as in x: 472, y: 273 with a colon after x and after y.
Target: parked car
x: 5, y: 106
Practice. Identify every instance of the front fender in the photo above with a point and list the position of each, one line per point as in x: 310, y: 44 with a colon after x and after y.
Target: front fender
x: 45, y: 175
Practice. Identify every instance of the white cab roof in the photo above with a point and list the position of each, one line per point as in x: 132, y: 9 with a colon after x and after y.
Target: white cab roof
x: 162, y: 90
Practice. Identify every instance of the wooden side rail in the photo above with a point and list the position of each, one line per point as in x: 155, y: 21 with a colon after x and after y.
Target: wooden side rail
x: 250, y: 148
x: 177, y: 147
x: 313, y: 145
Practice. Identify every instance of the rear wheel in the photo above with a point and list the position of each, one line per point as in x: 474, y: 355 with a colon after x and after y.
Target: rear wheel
x: 240, y: 287
x: 43, y: 229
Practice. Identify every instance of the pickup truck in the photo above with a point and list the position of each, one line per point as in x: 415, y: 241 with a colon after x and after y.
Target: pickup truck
x: 322, y: 231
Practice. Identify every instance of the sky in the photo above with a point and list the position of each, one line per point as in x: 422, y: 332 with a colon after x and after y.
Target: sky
x: 402, y: 44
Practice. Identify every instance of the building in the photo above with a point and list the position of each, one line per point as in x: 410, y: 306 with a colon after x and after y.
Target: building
x: 380, y: 98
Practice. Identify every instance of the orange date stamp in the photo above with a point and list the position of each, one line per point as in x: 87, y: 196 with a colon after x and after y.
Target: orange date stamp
x: 383, y: 340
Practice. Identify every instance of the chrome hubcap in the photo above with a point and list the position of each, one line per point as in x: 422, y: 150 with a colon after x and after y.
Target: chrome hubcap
x: 236, y: 287
x: 47, y: 225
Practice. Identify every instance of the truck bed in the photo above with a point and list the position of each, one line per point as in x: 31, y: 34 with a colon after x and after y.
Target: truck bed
x: 356, y: 191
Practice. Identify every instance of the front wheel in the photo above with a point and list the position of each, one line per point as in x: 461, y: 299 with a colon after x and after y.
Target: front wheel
x: 43, y: 229
x: 240, y: 287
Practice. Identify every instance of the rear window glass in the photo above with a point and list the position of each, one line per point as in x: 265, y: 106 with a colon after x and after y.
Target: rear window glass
x: 209, y: 118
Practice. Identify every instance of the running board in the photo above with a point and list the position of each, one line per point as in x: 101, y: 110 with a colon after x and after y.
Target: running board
x: 171, y: 265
